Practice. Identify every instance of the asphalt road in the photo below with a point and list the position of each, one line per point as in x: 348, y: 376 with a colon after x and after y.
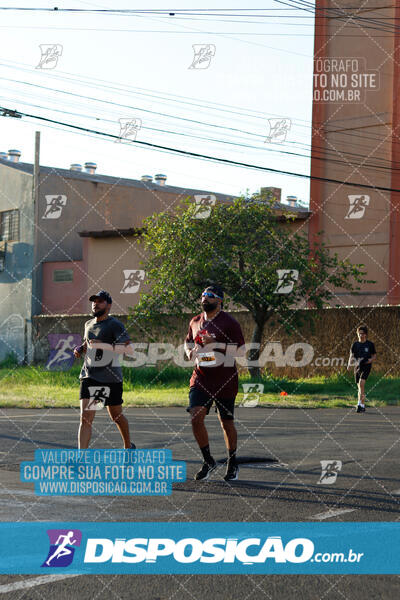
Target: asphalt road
x: 367, y: 488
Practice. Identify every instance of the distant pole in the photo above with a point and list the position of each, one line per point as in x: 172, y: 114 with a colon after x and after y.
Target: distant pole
x: 36, y: 269
x: 26, y: 359
x: 36, y: 169
x: 35, y: 195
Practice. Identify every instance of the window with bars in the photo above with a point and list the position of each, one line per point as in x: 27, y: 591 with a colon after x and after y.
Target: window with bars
x: 9, y: 225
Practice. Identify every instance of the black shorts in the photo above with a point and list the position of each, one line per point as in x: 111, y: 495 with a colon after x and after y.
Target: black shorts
x: 362, y: 373
x: 225, y: 407
x: 108, y: 393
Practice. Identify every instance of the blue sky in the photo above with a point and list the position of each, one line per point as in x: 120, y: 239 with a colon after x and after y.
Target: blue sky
x: 137, y: 66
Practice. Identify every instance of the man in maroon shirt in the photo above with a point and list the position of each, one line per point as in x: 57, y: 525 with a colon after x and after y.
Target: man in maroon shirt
x: 215, y: 377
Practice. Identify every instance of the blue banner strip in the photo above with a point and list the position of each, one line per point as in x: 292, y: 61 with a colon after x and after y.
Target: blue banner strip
x: 196, y: 548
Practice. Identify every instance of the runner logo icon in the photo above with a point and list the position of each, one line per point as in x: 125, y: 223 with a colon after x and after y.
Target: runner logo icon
x: 330, y: 470
x: 62, y: 547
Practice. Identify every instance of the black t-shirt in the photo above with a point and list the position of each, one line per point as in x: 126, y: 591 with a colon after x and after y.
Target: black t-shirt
x: 363, y: 351
x: 103, y: 365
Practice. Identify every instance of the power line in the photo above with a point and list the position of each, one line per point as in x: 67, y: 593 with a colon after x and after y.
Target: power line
x: 144, y: 31
x: 340, y: 14
x: 318, y: 152
x: 222, y: 107
x: 196, y: 122
x: 196, y: 155
x: 164, y: 96
x: 351, y: 157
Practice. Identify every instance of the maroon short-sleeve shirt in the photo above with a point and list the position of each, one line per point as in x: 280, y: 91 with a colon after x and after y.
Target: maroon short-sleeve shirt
x: 220, y: 381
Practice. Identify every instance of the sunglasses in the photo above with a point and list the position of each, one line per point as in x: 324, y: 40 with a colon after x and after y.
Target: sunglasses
x: 210, y: 295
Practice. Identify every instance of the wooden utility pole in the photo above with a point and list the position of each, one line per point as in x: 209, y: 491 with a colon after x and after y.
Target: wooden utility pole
x: 36, y: 268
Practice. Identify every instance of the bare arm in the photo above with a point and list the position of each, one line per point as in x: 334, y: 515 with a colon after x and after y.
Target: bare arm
x: 190, y: 346
x: 191, y: 350
x: 351, y: 360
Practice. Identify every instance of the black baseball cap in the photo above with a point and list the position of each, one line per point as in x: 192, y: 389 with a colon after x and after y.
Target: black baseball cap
x: 103, y: 295
x: 216, y: 289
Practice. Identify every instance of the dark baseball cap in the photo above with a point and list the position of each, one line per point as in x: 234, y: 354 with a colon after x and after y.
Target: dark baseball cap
x: 103, y: 295
x: 217, y: 290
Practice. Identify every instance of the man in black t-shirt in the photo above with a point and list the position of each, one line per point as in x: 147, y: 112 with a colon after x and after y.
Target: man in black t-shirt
x: 362, y: 354
x: 101, y: 375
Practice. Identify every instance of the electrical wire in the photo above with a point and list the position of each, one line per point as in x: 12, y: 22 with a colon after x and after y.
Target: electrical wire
x: 349, y: 159
x: 350, y: 156
x: 197, y: 155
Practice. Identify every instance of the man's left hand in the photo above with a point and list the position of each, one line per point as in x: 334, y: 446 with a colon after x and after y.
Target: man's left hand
x: 207, y: 339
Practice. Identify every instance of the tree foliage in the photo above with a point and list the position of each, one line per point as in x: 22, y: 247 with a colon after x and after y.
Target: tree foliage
x: 241, y: 246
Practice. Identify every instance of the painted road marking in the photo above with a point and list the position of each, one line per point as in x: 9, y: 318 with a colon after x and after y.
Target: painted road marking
x: 29, y: 583
x: 332, y: 513
x: 265, y: 465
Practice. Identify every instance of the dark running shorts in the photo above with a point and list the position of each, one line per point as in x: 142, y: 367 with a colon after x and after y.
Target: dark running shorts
x: 109, y: 393
x: 198, y: 397
x: 362, y: 373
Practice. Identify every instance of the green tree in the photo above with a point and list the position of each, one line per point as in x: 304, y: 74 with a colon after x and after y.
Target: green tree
x: 243, y: 246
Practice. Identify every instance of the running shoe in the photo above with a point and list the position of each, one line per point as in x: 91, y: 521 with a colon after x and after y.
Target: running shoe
x: 232, y: 472
x: 360, y: 408
x: 205, y: 471
x: 133, y: 447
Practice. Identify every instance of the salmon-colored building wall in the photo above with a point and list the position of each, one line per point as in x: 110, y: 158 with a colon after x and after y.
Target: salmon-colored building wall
x: 352, y: 142
x: 65, y: 297
x: 108, y: 260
